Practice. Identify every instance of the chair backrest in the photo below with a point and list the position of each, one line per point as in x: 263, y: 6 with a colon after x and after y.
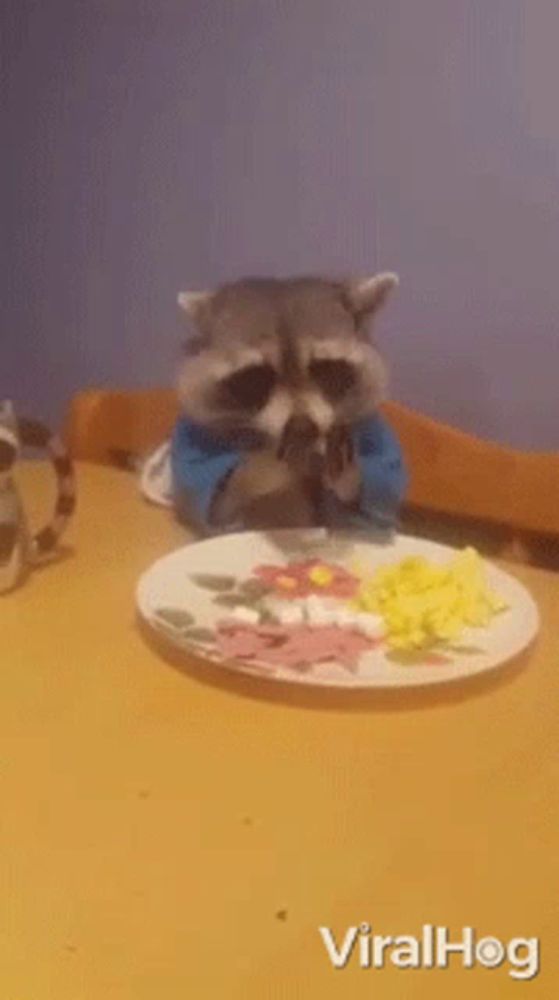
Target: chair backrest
x: 459, y: 474
x: 102, y: 423
x: 451, y: 472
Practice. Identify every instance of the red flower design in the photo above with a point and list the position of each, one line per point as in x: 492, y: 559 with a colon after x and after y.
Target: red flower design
x: 301, y: 579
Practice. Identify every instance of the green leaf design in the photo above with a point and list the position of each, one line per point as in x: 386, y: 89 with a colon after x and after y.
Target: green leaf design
x: 177, y: 618
x: 253, y: 589
x: 266, y: 616
x: 231, y: 600
x: 211, y: 581
x: 199, y: 634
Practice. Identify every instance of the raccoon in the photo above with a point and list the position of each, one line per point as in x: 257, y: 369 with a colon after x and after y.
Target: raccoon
x: 284, y: 370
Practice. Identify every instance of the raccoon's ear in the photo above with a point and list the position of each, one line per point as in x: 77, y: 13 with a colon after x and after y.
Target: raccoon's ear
x: 369, y: 294
x: 193, y: 302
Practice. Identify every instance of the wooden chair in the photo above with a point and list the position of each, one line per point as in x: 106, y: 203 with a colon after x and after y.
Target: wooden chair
x: 467, y: 490
x: 104, y: 425
x: 462, y: 489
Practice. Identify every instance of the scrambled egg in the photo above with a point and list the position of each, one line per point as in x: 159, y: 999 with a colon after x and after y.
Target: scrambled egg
x: 424, y: 604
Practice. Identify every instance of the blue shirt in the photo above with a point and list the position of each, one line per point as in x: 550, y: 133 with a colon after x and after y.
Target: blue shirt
x: 200, y: 464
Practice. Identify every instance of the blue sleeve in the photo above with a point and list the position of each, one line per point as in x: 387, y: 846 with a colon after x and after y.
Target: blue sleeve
x: 384, y: 478
x: 199, y: 465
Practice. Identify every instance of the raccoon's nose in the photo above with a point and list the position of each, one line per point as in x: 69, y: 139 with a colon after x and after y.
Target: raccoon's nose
x: 298, y: 438
x: 302, y: 429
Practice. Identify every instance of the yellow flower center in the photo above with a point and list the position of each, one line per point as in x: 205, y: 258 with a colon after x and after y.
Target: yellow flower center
x: 321, y: 575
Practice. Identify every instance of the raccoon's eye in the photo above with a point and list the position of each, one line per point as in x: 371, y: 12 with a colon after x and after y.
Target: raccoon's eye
x: 250, y: 388
x: 334, y: 376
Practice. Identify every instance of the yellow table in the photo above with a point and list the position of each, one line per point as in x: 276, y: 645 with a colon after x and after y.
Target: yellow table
x: 169, y: 834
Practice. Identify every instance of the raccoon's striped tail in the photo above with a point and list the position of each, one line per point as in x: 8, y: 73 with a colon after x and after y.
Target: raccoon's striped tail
x: 35, y: 435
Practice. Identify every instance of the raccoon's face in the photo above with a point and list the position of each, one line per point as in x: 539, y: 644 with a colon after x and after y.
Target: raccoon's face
x: 267, y: 353
x: 9, y: 441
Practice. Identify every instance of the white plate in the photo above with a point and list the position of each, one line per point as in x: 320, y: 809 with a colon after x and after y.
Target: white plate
x: 173, y: 583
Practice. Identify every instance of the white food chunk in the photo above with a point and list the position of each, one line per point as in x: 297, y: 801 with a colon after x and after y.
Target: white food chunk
x: 318, y: 611
x: 247, y: 615
x: 345, y: 618
x: 274, y: 605
x: 370, y: 625
x: 290, y: 614
x: 284, y: 611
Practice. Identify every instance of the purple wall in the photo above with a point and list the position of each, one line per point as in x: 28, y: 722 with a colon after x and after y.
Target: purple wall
x: 157, y: 145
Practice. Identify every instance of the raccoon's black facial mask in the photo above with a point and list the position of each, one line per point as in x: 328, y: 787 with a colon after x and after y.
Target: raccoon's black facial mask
x: 248, y: 389
x: 265, y: 350
x: 334, y: 377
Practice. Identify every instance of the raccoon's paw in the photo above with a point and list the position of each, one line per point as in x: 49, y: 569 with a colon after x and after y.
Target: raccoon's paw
x: 298, y: 445
x: 341, y: 472
x: 339, y: 452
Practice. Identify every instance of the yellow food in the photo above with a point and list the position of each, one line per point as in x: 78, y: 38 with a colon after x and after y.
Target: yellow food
x: 425, y: 604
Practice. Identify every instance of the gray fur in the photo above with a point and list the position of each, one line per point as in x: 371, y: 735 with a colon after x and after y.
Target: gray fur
x: 14, y: 536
